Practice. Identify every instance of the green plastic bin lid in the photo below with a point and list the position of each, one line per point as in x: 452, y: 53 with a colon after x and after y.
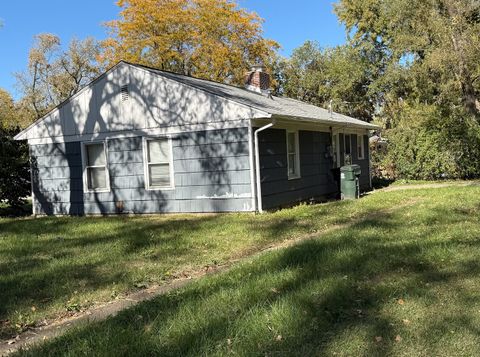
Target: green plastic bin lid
x: 350, y: 168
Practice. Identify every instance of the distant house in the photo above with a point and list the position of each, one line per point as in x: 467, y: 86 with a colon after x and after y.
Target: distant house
x: 378, y: 143
x: 140, y: 140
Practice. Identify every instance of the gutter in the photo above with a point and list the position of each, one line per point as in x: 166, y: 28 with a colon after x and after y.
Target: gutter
x: 257, y: 166
x: 328, y: 122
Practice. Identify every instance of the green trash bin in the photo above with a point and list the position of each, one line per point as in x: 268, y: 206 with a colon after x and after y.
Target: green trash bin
x: 350, y: 182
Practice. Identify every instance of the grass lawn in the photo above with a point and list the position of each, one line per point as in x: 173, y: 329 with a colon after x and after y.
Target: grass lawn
x: 51, y: 267
x: 399, y: 277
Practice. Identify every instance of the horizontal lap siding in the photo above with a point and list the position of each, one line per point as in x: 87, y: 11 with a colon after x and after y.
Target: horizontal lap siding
x: 316, y: 178
x: 211, y: 174
x: 57, y: 178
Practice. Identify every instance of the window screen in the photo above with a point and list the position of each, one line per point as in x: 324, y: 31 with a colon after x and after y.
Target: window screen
x: 360, y: 147
x: 293, y: 160
x: 158, y: 161
x: 96, y: 166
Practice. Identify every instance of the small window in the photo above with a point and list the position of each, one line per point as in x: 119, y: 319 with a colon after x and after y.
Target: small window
x: 360, y: 147
x: 293, y: 155
x: 96, y: 167
x: 159, y: 170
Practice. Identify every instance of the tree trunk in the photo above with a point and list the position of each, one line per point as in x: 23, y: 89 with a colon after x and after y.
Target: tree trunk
x: 469, y: 97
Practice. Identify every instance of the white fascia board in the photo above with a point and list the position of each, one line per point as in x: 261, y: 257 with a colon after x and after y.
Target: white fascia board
x: 326, y: 122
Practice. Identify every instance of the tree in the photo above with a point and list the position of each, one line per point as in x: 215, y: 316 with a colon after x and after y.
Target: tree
x: 434, y: 43
x: 14, y: 164
x: 338, y: 76
x: 427, y: 80
x: 211, y: 39
x: 53, y: 74
x: 8, y: 117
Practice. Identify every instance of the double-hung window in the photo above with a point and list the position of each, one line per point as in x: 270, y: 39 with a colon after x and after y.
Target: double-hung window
x: 360, y: 147
x: 293, y: 155
x: 158, y: 159
x: 96, y: 172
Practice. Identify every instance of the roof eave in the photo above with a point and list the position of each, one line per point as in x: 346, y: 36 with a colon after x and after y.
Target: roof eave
x: 329, y: 122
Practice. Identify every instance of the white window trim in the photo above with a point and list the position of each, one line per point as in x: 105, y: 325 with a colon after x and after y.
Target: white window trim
x: 362, y: 143
x: 145, y: 164
x: 84, y: 166
x: 297, y: 156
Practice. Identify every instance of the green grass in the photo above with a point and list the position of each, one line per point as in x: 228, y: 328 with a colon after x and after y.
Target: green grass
x: 399, y: 277
x: 51, y: 267
x: 403, y: 182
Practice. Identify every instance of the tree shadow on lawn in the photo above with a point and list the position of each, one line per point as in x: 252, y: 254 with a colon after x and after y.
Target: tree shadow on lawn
x: 44, y: 261
x: 332, y: 295
x: 50, y: 258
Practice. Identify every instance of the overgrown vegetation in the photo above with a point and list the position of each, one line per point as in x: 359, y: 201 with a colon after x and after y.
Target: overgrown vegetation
x: 14, y: 159
x: 412, y: 66
x: 399, y: 277
x: 429, y: 145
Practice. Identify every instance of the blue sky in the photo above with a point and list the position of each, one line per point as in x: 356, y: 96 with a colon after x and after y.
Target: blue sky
x: 289, y: 22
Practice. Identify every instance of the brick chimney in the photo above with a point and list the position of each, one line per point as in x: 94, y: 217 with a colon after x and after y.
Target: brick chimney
x: 258, y: 80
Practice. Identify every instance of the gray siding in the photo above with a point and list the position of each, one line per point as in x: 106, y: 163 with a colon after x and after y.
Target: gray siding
x: 211, y: 175
x: 364, y: 164
x: 316, y: 179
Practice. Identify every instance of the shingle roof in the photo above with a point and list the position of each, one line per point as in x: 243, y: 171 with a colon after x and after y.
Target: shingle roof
x: 276, y: 106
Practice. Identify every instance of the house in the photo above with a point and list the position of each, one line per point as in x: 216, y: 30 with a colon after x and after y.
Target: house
x: 378, y: 143
x: 141, y: 140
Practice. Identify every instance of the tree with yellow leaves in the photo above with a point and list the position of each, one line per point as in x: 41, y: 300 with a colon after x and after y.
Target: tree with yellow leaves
x: 210, y: 39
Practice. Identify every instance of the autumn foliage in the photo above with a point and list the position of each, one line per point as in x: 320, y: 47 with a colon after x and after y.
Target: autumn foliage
x: 211, y: 39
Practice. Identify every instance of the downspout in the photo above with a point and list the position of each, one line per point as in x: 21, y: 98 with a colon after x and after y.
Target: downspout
x: 257, y: 166
x: 369, y: 160
x: 34, y: 211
